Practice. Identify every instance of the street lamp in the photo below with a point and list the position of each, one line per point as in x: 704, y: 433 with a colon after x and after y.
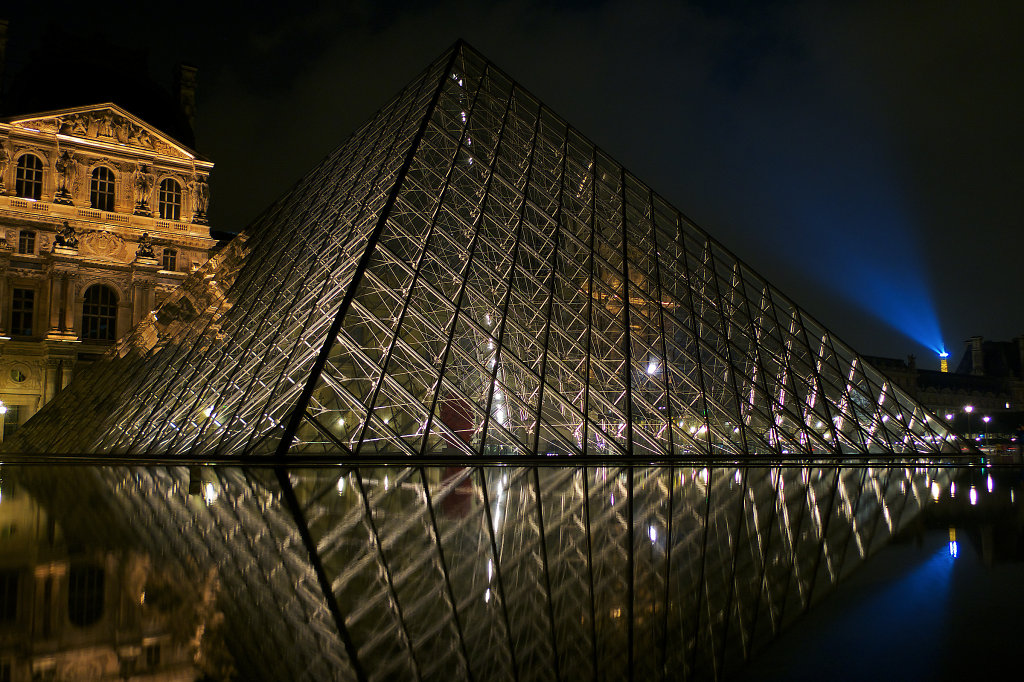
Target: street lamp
x: 984, y: 432
x: 968, y: 409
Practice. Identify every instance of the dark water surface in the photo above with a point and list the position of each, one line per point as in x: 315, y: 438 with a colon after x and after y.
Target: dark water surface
x: 919, y: 609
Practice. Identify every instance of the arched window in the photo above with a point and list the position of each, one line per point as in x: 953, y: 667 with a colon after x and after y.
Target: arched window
x: 170, y: 201
x: 170, y: 259
x: 28, y: 181
x: 101, y: 189
x: 99, y: 314
x: 85, y: 594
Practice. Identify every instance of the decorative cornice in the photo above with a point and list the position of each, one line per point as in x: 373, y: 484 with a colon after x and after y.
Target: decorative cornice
x: 105, y: 124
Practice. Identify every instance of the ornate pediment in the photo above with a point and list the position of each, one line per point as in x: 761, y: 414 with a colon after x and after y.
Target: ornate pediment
x: 105, y: 123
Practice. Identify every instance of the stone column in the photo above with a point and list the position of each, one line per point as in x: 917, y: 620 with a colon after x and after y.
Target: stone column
x: 51, y: 379
x: 70, y: 280
x: 67, y: 367
x: 62, y: 273
x: 977, y: 356
x: 5, y: 295
x: 142, y: 281
x: 53, y: 300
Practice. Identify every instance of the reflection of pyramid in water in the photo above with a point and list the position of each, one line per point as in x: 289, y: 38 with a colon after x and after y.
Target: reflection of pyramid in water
x: 469, y: 274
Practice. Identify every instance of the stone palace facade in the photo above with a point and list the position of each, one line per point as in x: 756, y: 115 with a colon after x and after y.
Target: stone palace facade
x: 101, y: 215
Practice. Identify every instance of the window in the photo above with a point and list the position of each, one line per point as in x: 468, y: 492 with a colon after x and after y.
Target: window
x: 22, y: 306
x: 170, y: 259
x: 26, y: 241
x: 12, y: 420
x: 85, y: 594
x: 170, y: 201
x: 99, y: 314
x: 101, y: 189
x: 8, y: 596
x: 28, y: 182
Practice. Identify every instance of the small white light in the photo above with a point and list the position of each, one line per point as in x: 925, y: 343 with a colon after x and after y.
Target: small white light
x: 210, y: 493
x: 652, y: 367
x: 952, y: 489
x: 652, y: 533
x: 341, y: 485
x: 935, y: 491
x: 974, y: 496
x: 385, y: 482
x: 487, y: 595
x: 988, y: 483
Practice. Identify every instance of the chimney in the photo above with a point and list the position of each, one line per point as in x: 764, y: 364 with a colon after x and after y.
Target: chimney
x: 185, y: 83
x: 1020, y: 351
x: 977, y: 356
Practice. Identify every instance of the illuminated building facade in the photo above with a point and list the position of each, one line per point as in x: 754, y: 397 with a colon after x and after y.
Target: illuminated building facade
x: 101, y: 216
x: 989, y: 379
x: 471, y: 400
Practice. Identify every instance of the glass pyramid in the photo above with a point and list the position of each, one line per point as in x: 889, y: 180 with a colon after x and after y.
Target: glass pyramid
x: 485, y: 405
x: 470, y: 275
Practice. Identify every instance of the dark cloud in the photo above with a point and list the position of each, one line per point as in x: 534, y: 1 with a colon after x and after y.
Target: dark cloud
x: 864, y: 156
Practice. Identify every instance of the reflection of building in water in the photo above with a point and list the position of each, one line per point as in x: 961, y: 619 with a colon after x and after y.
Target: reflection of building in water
x: 74, y: 608
x: 102, y: 214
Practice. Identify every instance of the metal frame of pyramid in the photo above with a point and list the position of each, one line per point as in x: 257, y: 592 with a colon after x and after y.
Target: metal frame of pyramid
x: 470, y: 275
x: 582, y: 396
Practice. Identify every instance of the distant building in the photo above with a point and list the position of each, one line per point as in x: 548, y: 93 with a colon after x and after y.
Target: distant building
x: 102, y: 214
x: 989, y: 380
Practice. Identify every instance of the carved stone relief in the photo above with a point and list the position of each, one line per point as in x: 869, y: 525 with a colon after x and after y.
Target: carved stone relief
x: 103, y: 245
x: 108, y: 125
x: 18, y: 375
x: 5, y: 162
x: 44, y: 157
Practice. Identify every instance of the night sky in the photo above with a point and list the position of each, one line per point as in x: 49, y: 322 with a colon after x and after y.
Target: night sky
x: 865, y: 157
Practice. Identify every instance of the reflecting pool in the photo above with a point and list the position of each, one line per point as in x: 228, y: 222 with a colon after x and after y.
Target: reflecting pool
x: 529, y: 572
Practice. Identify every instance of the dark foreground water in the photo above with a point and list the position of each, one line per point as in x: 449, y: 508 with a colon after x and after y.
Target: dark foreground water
x: 222, y: 573
x: 921, y: 609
